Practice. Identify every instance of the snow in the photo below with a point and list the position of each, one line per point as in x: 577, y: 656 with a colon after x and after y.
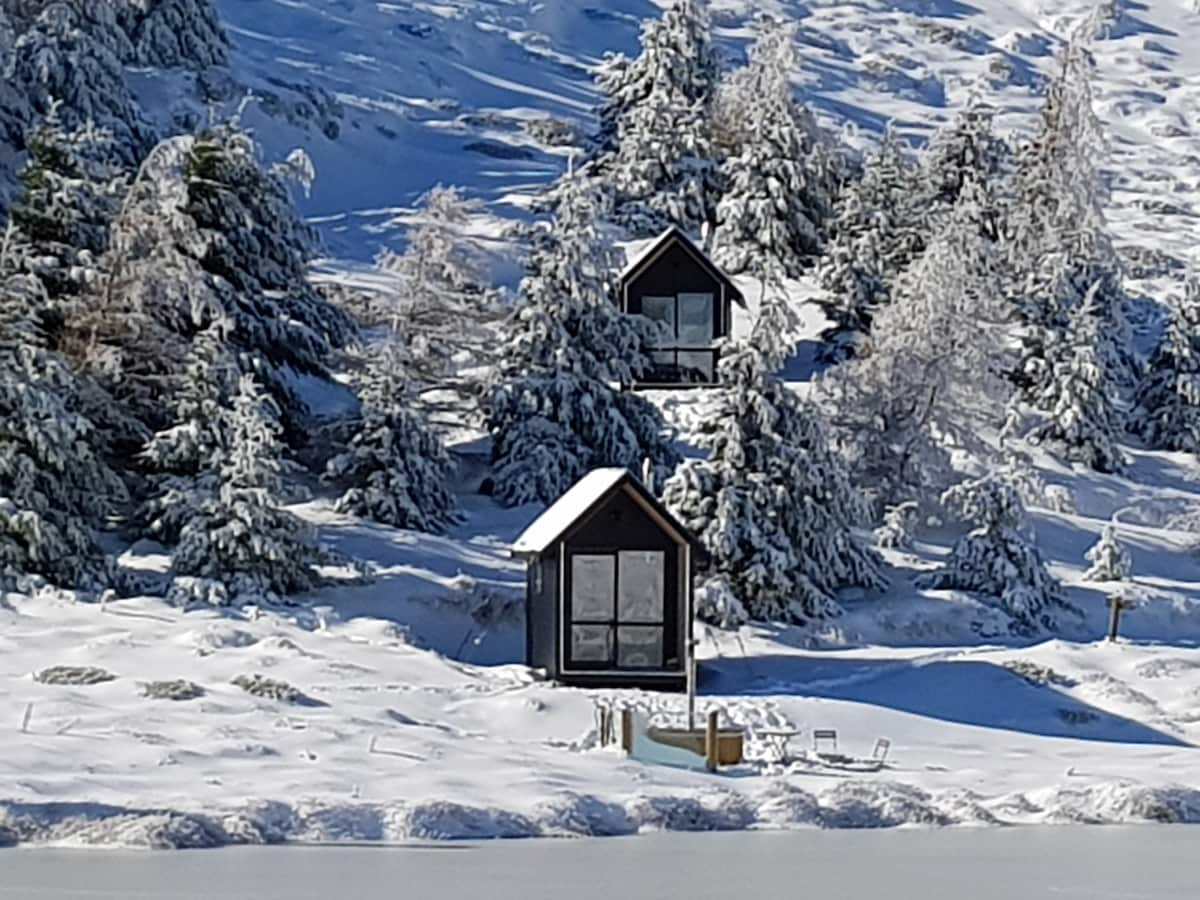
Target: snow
x: 422, y: 721
x: 565, y: 511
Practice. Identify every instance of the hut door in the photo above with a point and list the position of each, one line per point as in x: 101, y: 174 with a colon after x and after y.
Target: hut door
x: 618, y: 610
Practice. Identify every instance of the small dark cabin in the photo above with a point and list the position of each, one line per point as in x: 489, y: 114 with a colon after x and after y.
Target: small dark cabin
x: 674, y: 283
x: 609, y: 587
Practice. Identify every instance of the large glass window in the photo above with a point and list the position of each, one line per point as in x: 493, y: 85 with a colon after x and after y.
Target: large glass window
x: 687, y: 327
x: 617, y: 609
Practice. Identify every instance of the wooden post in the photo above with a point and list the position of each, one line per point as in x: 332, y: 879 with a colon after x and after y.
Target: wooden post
x: 710, y: 742
x: 1116, y: 603
x: 691, y: 683
x: 627, y: 730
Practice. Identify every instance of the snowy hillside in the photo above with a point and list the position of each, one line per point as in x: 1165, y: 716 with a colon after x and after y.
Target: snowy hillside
x: 396, y: 706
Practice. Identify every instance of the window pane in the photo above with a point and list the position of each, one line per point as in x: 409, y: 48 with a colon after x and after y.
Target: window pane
x: 695, y: 320
x: 593, y: 588
x: 662, y: 311
x: 696, y: 365
x: 639, y: 647
x: 591, y: 643
x: 640, y: 587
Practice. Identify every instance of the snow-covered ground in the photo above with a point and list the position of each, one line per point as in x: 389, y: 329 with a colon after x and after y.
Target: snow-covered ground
x: 417, y: 719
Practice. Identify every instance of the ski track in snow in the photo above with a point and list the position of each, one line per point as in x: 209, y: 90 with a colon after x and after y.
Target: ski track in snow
x: 422, y: 722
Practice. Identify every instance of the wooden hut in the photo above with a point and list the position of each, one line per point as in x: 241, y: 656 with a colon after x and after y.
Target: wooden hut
x: 674, y: 283
x: 609, y: 588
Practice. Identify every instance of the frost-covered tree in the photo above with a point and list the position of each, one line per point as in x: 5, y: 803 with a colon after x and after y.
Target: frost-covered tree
x: 1083, y: 414
x: 396, y: 469
x: 779, y: 186
x: 1109, y: 559
x: 208, y: 233
x: 997, y: 558
x: 71, y: 54
x: 554, y: 406
x: 1167, y: 415
x: 656, y: 153
x: 878, y: 230
x: 441, y: 309
x: 930, y: 377
x: 55, y: 487
x: 771, y: 503
x: 239, y: 536
x: 15, y: 112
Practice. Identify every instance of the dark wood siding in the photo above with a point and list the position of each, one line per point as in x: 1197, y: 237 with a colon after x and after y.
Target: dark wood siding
x: 541, y: 624
x: 677, y: 271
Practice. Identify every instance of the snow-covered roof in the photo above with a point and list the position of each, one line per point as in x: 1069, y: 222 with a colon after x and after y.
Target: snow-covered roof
x: 648, y: 249
x: 567, y: 509
x: 589, y: 490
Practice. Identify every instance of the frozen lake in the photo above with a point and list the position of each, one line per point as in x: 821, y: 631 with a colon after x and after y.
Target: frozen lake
x: 1141, y: 863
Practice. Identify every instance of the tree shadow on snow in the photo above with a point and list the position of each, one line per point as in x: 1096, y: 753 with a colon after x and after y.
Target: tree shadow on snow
x: 972, y: 692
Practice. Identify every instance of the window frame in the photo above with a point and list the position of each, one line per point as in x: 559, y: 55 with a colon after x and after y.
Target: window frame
x: 615, y: 623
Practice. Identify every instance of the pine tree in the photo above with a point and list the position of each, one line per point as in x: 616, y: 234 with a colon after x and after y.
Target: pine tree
x: 1109, y: 560
x: 1083, y: 414
x: 966, y: 152
x: 181, y: 457
x: 209, y: 234
x: 1168, y: 399
x: 877, y: 233
x: 397, y: 468
x: 55, y: 488
x: 72, y: 54
x: 175, y: 33
x: 1059, y: 252
x: 554, y: 407
x: 72, y: 189
x: 997, y: 559
x: 240, y: 537
x: 772, y: 503
x: 15, y: 112
x: 779, y: 185
x: 441, y: 309
x: 656, y: 153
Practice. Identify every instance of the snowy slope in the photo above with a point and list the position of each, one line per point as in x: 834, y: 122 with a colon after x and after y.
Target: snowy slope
x: 420, y: 722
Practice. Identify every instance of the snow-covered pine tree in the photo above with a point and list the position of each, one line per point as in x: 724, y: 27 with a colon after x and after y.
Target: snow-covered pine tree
x: 182, y: 457
x: 71, y: 53
x: 15, y: 112
x: 966, y: 150
x: 1083, y: 415
x: 1167, y: 415
x: 174, y: 33
x: 441, y: 310
x: 771, y: 503
x: 1058, y: 247
x: 655, y: 145
x: 208, y: 233
x: 677, y: 54
x: 55, y: 488
x: 997, y: 559
x: 779, y: 186
x: 72, y: 189
x: 554, y: 405
x: 1109, y: 560
x: 929, y: 377
x: 878, y: 231
x: 397, y: 469
x: 240, y: 537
